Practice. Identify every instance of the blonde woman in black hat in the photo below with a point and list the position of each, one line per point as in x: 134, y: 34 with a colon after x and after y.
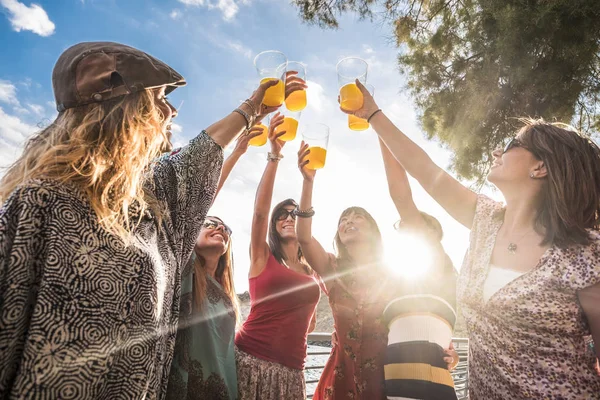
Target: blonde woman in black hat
x: 93, y: 235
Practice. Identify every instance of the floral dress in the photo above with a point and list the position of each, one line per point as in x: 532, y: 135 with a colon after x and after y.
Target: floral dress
x: 528, y: 341
x: 204, y: 361
x: 355, y: 367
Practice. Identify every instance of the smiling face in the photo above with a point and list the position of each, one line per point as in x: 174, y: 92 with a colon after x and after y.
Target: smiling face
x: 354, y: 227
x: 285, y: 223
x: 513, y: 165
x: 213, y: 236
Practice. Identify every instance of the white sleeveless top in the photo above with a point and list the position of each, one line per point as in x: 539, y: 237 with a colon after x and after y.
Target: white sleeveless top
x: 498, y: 278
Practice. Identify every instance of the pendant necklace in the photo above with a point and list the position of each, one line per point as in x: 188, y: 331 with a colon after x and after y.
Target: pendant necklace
x: 512, y: 246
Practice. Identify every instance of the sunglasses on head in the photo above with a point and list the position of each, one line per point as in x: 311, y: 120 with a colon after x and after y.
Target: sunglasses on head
x: 283, y: 214
x: 212, y: 224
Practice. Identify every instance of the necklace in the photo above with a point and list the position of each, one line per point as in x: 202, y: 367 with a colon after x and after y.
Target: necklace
x: 512, y: 246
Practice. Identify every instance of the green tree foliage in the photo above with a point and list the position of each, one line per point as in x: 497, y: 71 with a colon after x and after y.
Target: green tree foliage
x: 474, y: 66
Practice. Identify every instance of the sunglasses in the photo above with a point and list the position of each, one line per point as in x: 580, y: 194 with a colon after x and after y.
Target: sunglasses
x: 211, y: 224
x: 283, y: 214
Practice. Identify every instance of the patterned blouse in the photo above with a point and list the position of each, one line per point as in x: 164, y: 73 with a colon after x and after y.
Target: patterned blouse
x: 529, y: 339
x: 81, y: 315
x: 204, y: 361
x: 354, y: 369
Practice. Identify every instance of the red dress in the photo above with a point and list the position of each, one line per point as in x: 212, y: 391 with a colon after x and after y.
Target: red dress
x: 355, y: 368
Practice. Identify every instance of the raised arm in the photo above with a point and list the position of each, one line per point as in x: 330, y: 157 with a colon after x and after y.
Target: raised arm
x: 399, y: 188
x: 315, y: 254
x: 241, y: 146
x: 259, y: 249
x: 455, y: 198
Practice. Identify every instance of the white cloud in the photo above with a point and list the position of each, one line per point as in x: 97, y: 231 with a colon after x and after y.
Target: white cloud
x: 19, y: 109
x: 13, y: 130
x: 239, y: 48
x: 228, y: 8
x: 36, y: 108
x: 175, y: 14
x: 8, y: 93
x: 29, y: 18
x: 176, y: 128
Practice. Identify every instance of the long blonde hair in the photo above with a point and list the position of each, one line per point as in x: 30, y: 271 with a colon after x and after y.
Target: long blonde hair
x: 103, y: 149
x: 223, y: 275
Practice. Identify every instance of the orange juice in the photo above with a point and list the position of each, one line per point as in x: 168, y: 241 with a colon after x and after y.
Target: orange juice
x: 290, y: 126
x: 316, y: 157
x: 275, y: 94
x: 261, y: 139
x: 296, y: 101
x: 357, y: 124
x: 351, y: 97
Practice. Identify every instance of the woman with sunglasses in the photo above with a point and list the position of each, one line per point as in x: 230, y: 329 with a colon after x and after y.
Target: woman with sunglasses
x: 529, y: 287
x: 284, y: 293
x: 204, y: 362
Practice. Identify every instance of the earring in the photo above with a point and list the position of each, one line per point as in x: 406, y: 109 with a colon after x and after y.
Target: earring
x: 532, y: 175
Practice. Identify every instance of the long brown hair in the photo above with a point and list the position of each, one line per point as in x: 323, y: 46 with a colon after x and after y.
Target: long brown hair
x: 571, y: 191
x: 342, y: 254
x: 223, y: 275
x: 273, y: 236
x: 104, y: 149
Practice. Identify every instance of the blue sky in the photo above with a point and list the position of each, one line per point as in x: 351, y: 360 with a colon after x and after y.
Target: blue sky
x: 212, y: 44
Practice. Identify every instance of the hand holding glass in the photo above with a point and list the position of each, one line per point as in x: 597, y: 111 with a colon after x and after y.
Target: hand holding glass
x: 317, y: 138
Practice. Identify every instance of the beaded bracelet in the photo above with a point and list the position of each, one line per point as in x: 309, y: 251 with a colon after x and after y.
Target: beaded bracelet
x: 304, y: 213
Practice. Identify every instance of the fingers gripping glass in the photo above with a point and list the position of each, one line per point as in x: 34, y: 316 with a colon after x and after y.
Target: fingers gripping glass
x: 211, y: 224
x: 282, y: 215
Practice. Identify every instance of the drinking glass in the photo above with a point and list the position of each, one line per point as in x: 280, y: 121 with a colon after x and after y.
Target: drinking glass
x: 360, y: 124
x: 270, y: 65
x: 296, y: 101
x: 317, y: 138
x: 349, y: 70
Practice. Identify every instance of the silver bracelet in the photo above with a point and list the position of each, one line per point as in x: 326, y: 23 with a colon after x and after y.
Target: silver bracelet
x: 249, y: 104
x: 274, y: 157
x: 245, y: 115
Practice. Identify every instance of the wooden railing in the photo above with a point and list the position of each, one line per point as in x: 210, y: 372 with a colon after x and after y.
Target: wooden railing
x: 460, y: 374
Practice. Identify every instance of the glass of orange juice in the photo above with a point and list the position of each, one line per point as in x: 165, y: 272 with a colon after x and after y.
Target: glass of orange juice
x: 296, y: 101
x: 359, y: 124
x: 261, y: 139
x: 317, y: 138
x: 289, y: 125
x: 271, y: 65
x: 350, y: 69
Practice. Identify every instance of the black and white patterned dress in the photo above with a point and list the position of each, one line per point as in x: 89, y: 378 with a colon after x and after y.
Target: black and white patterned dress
x: 81, y: 315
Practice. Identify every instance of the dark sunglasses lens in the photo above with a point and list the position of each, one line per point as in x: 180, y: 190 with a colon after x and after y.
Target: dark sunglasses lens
x: 283, y: 214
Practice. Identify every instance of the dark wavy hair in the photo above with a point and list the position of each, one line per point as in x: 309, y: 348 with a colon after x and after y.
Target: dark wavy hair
x: 342, y: 254
x: 274, y: 238
x: 571, y: 190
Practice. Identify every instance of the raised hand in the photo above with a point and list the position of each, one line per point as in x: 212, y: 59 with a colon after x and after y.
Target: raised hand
x: 293, y: 83
x: 369, y: 105
x: 307, y: 174
x: 242, y: 143
x: 257, y: 101
x: 276, y: 143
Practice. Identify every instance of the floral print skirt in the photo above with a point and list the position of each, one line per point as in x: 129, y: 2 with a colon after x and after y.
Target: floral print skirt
x: 260, y: 379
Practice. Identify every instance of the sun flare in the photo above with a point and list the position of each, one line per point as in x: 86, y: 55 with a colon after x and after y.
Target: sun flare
x: 408, y: 255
